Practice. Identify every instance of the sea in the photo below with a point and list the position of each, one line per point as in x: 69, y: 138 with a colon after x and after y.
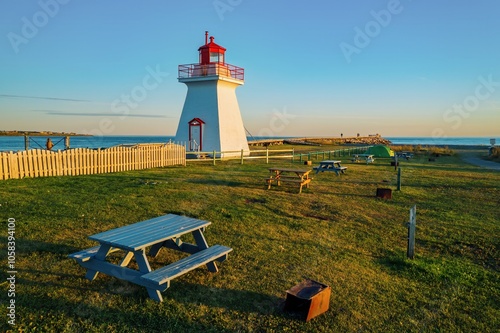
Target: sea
x: 16, y: 143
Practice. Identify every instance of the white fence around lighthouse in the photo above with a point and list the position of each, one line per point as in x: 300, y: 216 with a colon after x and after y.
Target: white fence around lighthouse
x: 84, y: 161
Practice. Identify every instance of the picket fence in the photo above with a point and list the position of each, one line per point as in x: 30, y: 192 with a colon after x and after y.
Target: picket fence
x: 84, y: 161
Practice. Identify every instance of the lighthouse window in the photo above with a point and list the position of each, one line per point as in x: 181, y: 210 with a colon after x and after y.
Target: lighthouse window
x: 216, y: 57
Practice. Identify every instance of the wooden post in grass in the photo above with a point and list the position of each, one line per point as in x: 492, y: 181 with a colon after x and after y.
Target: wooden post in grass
x: 242, y: 156
x: 411, y: 232
x: 399, y: 179
x: 214, y: 157
x: 395, y: 161
x: 267, y: 155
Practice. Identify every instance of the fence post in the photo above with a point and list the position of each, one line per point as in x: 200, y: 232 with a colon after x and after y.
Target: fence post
x: 215, y: 156
x: 399, y: 179
x: 267, y: 155
x: 242, y: 156
x: 411, y: 233
x: 26, y: 142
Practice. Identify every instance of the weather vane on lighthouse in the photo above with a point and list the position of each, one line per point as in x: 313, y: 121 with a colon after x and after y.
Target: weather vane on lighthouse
x: 211, y: 118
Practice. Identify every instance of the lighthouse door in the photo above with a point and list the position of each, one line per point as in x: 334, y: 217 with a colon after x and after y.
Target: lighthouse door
x: 196, y: 134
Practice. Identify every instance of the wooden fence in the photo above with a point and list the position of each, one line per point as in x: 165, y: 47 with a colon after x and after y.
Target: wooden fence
x: 84, y: 161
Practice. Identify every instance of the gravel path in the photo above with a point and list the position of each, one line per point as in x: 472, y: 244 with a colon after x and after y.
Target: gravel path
x: 471, y: 159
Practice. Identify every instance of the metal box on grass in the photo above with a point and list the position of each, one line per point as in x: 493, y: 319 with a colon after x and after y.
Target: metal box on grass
x: 308, y: 299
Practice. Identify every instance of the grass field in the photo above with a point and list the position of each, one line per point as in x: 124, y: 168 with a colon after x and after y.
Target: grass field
x: 336, y: 232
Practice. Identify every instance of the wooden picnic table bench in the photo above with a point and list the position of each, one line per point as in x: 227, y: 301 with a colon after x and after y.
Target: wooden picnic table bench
x: 330, y: 165
x: 368, y: 157
x: 299, y: 176
x: 132, y: 240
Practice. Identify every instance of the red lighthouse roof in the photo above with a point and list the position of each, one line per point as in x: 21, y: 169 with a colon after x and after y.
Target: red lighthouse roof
x: 211, y: 52
x: 212, y: 65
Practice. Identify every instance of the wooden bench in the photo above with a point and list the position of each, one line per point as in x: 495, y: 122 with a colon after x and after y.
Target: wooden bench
x: 337, y: 170
x: 169, y: 272
x: 291, y: 179
x: 269, y: 181
x: 87, y: 254
x: 341, y: 169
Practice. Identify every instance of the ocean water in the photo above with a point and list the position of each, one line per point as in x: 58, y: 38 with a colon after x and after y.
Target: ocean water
x: 455, y: 141
x: 16, y: 143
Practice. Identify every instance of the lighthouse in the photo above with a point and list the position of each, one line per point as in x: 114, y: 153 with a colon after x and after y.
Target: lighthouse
x: 211, y: 119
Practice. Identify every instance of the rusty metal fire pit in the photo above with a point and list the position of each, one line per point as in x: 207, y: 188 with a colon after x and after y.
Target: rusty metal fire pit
x: 308, y: 299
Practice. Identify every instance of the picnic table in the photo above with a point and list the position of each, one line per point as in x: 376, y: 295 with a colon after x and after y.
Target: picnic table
x: 358, y: 157
x: 299, y: 176
x: 330, y: 165
x: 132, y: 240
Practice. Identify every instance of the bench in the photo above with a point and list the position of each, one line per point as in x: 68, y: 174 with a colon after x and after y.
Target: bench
x: 336, y: 169
x: 169, y: 272
x: 269, y: 181
x: 87, y: 254
x: 369, y: 158
x: 290, y: 179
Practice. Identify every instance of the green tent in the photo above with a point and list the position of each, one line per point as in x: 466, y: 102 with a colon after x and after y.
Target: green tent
x: 380, y: 151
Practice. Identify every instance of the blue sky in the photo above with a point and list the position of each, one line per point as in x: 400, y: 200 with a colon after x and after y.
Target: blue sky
x: 320, y: 68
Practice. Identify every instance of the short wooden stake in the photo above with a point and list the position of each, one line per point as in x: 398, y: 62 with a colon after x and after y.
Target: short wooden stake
x: 399, y: 179
x: 411, y: 232
x: 214, y: 157
x: 242, y: 156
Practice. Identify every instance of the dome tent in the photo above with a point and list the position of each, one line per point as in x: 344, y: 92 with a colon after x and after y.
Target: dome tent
x: 380, y: 151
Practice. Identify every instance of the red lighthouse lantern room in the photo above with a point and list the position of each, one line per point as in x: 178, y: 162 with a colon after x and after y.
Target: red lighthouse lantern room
x: 212, y: 63
x: 211, y: 53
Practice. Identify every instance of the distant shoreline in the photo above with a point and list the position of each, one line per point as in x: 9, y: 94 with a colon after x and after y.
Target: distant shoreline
x: 39, y: 133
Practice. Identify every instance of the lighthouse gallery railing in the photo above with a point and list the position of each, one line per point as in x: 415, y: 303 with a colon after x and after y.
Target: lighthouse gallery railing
x: 198, y: 70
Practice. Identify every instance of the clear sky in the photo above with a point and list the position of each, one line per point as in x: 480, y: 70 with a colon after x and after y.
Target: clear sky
x: 315, y: 68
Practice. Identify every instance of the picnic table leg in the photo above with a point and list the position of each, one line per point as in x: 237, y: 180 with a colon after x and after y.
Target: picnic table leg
x: 202, y: 245
x: 100, y: 255
x: 126, y: 260
x: 155, y: 249
x: 144, y: 267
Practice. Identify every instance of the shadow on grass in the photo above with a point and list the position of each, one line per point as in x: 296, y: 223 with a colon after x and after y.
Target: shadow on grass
x: 90, y: 308
x: 220, y: 182
x: 30, y: 246
x: 228, y: 299
x: 61, y: 314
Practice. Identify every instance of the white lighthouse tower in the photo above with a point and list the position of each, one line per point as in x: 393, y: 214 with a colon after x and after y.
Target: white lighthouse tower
x: 211, y: 119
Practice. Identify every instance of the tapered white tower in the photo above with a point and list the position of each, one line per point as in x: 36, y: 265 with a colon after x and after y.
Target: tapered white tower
x: 211, y: 118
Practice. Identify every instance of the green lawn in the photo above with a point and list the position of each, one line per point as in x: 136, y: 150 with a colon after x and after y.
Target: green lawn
x: 336, y: 232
